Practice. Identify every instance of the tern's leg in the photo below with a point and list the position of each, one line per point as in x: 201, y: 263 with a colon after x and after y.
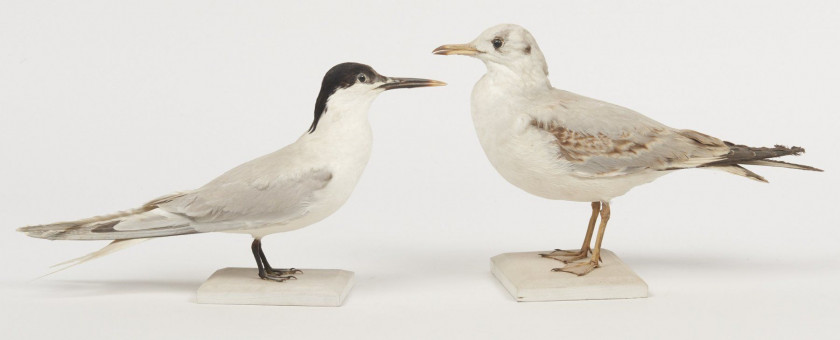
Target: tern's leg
x: 567, y: 256
x: 584, y: 268
x: 256, y: 249
x: 269, y: 270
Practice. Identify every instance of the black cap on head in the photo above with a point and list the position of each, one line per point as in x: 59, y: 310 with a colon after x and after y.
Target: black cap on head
x: 341, y: 76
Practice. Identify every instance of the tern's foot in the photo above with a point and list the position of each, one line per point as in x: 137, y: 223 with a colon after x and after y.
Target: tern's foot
x: 579, y: 269
x: 277, y: 277
x: 566, y: 256
x: 283, y: 272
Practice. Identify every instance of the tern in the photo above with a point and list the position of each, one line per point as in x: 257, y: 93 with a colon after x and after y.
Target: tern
x: 288, y: 189
x: 563, y: 146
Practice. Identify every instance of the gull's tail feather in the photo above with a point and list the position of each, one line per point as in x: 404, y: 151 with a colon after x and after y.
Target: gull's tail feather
x: 780, y: 164
x: 111, y: 248
x: 744, y: 155
x: 740, y: 171
x: 145, y: 222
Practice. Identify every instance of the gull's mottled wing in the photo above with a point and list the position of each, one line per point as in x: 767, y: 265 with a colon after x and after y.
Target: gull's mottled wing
x: 249, y: 196
x: 598, y: 139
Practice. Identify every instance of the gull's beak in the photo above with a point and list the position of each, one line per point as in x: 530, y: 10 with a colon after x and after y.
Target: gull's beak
x: 407, y: 83
x: 462, y: 49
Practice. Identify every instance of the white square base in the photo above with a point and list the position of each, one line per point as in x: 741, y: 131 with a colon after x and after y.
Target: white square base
x: 242, y: 286
x: 528, y: 277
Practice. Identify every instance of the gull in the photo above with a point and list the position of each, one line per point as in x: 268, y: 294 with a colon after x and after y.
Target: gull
x: 288, y: 189
x: 563, y: 146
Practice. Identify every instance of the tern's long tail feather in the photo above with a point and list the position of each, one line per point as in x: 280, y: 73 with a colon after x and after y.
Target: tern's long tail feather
x: 148, y: 221
x: 744, y: 155
x: 111, y: 248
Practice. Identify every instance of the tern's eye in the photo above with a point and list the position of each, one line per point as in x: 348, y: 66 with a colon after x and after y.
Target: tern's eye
x: 497, y: 43
x: 362, y: 78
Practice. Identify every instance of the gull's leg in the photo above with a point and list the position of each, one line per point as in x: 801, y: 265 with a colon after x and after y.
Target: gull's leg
x: 567, y: 256
x: 584, y: 268
x: 256, y: 249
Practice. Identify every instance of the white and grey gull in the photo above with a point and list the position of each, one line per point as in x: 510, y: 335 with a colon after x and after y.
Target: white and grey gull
x: 563, y: 146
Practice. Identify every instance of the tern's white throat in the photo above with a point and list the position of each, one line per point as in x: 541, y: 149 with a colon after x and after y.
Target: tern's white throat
x: 346, y: 110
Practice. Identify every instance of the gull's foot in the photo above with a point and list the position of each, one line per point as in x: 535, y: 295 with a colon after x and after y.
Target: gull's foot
x: 561, y: 252
x: 283, y: 272
x: 579, y: 269
x: 566, y: 256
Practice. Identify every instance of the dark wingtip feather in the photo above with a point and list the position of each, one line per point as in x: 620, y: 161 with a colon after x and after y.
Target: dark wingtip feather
x: 781, y: 164
x: 760, y: 179
x: 794, y: 150
x: 753, y: 175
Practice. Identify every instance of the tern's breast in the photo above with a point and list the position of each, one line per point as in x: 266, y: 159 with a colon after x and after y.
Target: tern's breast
x: 345, y: 154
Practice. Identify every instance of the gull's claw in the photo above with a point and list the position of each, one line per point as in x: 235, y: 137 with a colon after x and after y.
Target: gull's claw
x: 579, y: 269
x: 561, y: 252
x: 566, y: 256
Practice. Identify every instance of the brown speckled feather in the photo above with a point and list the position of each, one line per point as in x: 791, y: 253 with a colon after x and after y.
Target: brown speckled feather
x: 657, y: 148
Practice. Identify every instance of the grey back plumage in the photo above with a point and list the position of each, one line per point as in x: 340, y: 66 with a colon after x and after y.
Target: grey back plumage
x: 250, y: 196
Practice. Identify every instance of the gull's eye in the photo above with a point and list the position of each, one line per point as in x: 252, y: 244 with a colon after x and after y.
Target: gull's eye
x: 362, y: 78
x: 497, y: 43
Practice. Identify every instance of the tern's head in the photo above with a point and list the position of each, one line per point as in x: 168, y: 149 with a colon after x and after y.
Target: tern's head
x: 509, y: 46
x: 351, y: 87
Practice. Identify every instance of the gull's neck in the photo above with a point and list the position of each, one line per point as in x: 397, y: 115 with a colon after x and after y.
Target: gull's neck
x: 520, y: 78
x: 498, y: 97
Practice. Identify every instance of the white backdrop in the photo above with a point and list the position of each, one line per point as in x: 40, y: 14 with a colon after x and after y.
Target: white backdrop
x: 104, y: 105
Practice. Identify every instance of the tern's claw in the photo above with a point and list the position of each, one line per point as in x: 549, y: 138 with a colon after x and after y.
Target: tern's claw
x: 278, y: 278
x: 282, y: 272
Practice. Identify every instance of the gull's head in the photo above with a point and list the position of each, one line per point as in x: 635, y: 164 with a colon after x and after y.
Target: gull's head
x: 507, y: 45
x: 350, y: 88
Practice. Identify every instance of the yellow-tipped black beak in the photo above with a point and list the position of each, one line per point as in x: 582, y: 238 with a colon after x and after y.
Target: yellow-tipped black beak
x: 457, y: 49
x: 407, y: 83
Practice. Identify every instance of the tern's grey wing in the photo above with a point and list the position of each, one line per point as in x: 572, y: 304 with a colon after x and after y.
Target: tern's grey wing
x: 246, y: 198
x: 271, y: 189
x: 598, y: 139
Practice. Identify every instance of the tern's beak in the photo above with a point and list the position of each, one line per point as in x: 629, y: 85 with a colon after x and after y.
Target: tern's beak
x: 407, y: 83
x: 462, y: 49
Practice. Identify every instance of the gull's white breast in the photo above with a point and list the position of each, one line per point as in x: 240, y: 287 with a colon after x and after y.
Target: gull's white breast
x: 529, y: 158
